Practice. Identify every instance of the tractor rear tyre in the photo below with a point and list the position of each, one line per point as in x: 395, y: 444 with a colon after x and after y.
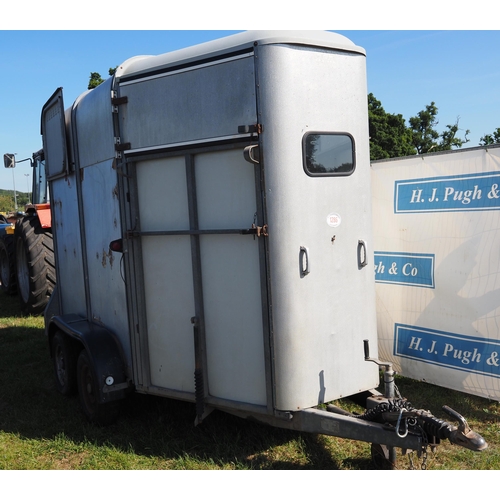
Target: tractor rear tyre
x: 36, y: 276
x: 8, y: 265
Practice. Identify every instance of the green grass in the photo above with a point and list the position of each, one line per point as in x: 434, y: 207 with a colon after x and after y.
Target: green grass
x: 41, y: 430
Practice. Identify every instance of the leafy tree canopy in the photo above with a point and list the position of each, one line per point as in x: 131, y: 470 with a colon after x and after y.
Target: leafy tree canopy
x: 424, y: 135
x: 427, y: 138
x: 449, y: 137
x: 389, y: 135
x: 95, y: 78
x: 6, y: 203
x: 493, y: 138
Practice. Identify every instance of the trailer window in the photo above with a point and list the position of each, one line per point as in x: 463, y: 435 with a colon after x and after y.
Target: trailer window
x: 328, y: 154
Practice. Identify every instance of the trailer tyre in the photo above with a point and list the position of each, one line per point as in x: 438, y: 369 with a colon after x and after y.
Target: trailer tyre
x: 64, y: 359
x: 36, y: 275
x: 8, y: 265
x: 88, y: 391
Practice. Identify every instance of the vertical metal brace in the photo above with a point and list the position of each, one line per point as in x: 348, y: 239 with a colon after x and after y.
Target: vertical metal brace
x: 388, y: 372
x: 115, y: 102
x: 199, y: 389
x: 198, y: 321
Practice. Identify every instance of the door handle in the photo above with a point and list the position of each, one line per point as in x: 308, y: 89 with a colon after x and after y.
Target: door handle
x: 252, y: 154
x: 362, y: 253
x: 304, y: 263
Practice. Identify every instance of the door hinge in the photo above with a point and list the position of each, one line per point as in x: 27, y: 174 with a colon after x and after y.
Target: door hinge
x: 117, y: 101
x: 120, y: 147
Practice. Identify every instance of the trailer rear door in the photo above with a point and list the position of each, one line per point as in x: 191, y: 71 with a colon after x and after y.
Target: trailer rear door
x: 64, y: 207
x: 199, y: 269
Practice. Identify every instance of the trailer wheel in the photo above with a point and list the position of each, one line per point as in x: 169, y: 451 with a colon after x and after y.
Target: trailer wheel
x: 8, y: 265
x: 383, y: 457
x: 88, y: 391
x: 36, y: 275
x: 64, y: 359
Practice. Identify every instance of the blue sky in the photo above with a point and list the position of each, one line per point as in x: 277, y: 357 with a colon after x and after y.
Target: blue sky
x: 458, y: 70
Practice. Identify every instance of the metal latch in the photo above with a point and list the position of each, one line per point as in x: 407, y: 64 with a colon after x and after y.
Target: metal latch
x: 258, y: 128
x: 256, y: 230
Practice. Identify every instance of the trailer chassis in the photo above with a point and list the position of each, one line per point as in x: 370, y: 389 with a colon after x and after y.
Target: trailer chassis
x: 388, y: 423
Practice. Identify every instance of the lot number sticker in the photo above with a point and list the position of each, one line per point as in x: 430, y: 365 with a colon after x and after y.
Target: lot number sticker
x: 333, y: 220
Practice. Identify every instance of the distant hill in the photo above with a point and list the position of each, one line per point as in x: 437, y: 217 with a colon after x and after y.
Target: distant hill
x: 6, y: 192
x: 10, y: 192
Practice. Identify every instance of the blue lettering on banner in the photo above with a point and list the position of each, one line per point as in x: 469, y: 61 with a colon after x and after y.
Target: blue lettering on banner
x: 448, y: 194
x: 459, y: 352
x: 399, y: 268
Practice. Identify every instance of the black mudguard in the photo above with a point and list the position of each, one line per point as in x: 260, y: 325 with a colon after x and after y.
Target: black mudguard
x: 103, y: 348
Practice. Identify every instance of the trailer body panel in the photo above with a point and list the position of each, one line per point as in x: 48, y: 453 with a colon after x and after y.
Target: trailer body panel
x: 320, y: 319
x: 252, y: 269
x: 189, y: 105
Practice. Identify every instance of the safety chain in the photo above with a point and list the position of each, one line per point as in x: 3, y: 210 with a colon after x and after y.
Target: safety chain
x: 423, y: 451
x: 404, y: 419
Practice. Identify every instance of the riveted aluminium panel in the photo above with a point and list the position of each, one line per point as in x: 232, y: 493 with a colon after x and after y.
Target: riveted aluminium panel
x: 105, y: 272
x: 94, y: 126
x: 320, y: 318
x: 68, y: 246
x: 189, y: 105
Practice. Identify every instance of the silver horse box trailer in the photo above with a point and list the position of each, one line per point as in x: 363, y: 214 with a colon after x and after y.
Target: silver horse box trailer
x: 212, y: 227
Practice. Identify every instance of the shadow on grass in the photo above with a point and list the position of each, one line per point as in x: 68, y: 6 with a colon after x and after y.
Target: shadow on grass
x: 149, y: 426
x: 9, y: 305
x: 163, y: 429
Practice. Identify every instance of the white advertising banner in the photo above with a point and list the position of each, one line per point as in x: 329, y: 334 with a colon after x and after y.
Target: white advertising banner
x: 437, y: 267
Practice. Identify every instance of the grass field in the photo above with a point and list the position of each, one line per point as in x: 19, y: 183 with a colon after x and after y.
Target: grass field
x: 41, y: 430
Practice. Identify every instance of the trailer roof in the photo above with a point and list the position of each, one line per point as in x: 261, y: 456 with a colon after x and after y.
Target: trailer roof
x: 234, y: 43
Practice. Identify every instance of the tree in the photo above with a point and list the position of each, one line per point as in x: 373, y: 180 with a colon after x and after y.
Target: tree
x: 449, y: 138
x: 95, y: 78
x: 488, y: 139
x: 389, y: 135
x: 425, y: 136
x: 6, y: 203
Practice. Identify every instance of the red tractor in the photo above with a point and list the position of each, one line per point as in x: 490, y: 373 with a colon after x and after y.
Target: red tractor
x: 26, y: 248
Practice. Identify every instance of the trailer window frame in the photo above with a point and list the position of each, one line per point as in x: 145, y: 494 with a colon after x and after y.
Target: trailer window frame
x: 335, y: 168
